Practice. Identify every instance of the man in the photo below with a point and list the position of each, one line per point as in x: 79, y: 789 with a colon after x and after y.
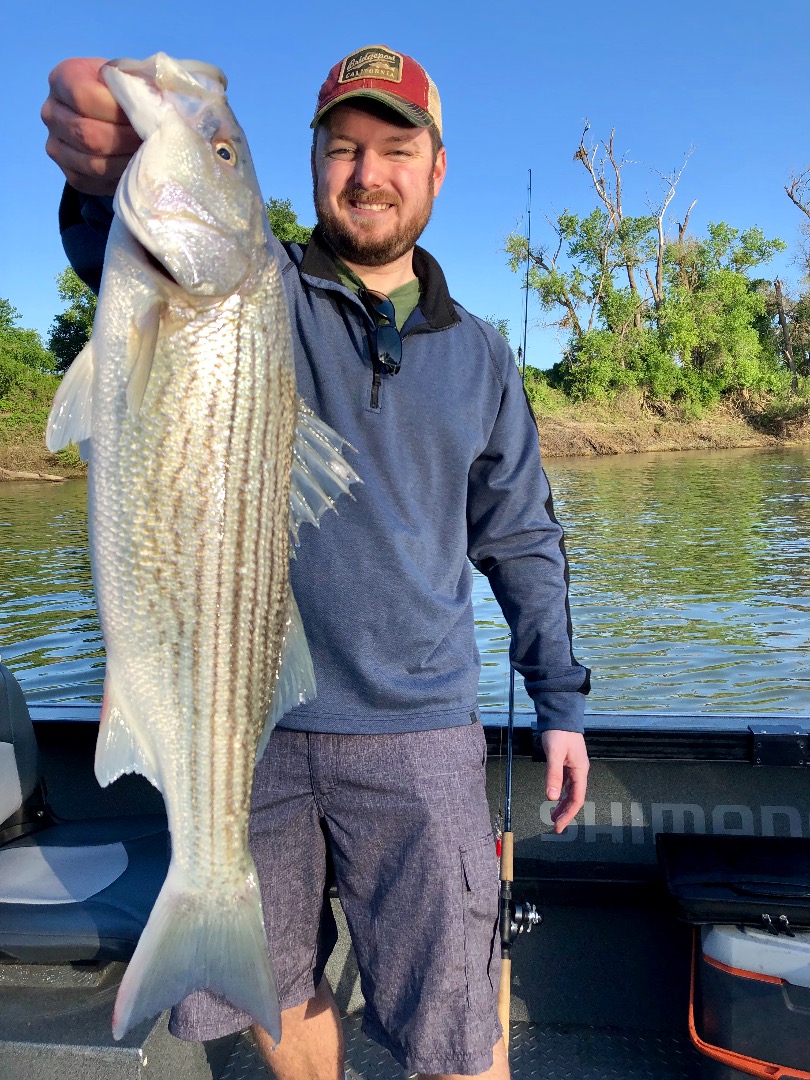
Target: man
x: 382, y: 776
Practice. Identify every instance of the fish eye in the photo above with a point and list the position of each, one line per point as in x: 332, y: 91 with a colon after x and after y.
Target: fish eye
x: 226, y: 151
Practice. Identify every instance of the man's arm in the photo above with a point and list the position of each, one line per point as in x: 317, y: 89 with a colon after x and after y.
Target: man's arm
x: 517, y: 542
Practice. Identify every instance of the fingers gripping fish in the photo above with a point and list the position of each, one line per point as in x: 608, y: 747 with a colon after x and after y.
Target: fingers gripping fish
x: 203, y: 461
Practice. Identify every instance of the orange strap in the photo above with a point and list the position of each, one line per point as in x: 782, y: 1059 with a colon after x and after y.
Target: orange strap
x: 749, y: 1065
x: 742, y: 974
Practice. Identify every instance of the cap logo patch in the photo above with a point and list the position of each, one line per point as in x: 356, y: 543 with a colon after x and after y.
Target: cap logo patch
x: 372, y: 62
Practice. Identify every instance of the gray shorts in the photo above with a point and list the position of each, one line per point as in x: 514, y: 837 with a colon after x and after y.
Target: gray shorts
x: 405, y: 823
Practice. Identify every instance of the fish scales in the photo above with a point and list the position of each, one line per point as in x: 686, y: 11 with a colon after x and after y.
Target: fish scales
x: 202, y: 460
x: 226, y: 460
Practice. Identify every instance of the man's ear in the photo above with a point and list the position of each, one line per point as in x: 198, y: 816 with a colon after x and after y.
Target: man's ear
x: 439, y: 170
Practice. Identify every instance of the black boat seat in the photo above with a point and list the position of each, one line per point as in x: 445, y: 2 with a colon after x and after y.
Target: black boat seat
x: 70, y: 891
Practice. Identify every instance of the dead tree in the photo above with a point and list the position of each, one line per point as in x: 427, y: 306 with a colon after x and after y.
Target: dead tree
x: 670, y: 184
x: 798, y: 191
x: 609, y: 190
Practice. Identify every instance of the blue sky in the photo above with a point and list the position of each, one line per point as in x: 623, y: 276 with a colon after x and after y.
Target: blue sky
x: 517, y: 80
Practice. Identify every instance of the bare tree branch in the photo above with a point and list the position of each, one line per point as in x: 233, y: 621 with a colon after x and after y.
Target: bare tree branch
x: 798, y: 191
x: 671, y: 182
x: 682, y: 225
x: 610, y: 194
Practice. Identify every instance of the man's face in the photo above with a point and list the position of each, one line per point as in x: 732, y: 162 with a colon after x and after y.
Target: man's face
x: 375, y: 183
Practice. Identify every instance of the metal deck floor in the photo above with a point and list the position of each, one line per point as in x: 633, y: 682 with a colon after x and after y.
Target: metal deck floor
x: 548, y: 1053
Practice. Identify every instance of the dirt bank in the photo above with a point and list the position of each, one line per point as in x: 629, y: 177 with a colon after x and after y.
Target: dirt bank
x: 23, y: 455
x: 577, y: 430
x: 589, y: 430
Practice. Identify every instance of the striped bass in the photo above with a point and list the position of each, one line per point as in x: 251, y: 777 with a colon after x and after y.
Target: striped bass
x: 203, y: 461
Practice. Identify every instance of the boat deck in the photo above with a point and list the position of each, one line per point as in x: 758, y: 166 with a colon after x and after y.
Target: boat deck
x: 551, y: 1053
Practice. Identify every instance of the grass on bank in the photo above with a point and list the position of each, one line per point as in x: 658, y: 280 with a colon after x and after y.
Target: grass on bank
x: 758, y: 408
x: 26, y: 396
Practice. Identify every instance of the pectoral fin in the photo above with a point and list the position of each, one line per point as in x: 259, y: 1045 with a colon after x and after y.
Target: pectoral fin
x: 143, y: 336
x: 70, y: 417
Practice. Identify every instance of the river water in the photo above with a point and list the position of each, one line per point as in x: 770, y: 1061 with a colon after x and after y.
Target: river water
x: 690, y: 585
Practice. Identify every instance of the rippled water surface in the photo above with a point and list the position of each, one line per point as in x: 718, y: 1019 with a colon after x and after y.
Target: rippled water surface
x: 690, y: 580
x: 690, y: 584
x: 49, y: 632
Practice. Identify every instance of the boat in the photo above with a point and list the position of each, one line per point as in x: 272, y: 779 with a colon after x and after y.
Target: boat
x: 601, y: 988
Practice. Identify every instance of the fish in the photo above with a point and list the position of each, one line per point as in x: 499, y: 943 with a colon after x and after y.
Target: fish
x: 203, y: 464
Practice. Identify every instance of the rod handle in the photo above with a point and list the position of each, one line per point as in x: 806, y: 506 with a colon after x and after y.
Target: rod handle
x: 504, y: 998
x: 507, y: 856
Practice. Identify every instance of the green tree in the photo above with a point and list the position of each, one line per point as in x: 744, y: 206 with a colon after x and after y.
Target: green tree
x: 21, y: 346
x: 671, y: 317
x: 284, y: 222
x: 501, y: 325
x: 70, y: 330
x: 712, y: 319
x: 27, y: 382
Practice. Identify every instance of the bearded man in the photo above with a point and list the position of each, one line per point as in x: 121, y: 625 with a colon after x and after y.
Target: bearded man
x: 379, y: 782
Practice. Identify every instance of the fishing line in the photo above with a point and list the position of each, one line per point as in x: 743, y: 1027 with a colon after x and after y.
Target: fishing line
x: 526, y: 297
x: 504, y: 820
x: 507, y: 827
x: 513, y: 918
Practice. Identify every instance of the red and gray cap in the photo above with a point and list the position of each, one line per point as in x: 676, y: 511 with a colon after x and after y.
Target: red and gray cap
x: 396, y: 80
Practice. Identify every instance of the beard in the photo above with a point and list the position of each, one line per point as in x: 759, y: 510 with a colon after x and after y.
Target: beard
x: 358, y: 245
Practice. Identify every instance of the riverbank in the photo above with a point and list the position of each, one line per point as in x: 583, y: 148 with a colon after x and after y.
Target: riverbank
x: 626, y: 427
x: 24, y: 456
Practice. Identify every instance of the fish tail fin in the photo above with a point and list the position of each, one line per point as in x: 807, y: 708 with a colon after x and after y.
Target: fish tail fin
x: 196, y: 941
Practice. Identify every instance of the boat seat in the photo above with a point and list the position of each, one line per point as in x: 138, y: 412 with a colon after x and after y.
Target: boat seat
x: 70, y: 891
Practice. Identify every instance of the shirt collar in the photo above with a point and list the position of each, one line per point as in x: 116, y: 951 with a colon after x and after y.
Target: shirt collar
x: 435, y: 303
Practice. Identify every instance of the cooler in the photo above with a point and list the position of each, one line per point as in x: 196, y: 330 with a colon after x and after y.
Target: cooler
x: 749, y: 1011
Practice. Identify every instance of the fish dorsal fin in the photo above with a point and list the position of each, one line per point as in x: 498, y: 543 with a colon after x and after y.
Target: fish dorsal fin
x: 120, y: 747
x: 320, y: 474
x: 71, y: 414
x: 295, y: 684
x: 143, y: 334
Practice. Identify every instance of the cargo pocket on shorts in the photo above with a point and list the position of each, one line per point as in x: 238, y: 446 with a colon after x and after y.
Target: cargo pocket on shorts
x: 480, y: 899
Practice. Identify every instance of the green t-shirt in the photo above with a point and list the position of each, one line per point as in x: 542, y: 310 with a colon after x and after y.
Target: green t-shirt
x: 405, y: 298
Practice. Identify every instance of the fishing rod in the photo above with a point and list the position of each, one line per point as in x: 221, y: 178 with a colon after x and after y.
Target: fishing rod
x: 513, y: 918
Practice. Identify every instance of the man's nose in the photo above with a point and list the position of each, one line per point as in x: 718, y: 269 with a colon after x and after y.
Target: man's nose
x: 367, y: 169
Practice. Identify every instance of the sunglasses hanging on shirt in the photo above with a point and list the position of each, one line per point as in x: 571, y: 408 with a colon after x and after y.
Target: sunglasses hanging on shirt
x: 387, y: 340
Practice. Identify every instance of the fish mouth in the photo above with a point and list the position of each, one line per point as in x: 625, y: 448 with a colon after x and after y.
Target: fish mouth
x: 156, y: 264
x: 151, y: 260
x: 139, y: 86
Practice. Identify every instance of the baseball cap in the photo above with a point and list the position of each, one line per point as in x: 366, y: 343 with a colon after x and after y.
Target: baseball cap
x: 377, y: 72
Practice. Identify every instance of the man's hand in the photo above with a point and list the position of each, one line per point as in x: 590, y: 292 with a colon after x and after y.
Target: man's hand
x: 566, y: 774
x: 89, y: 137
